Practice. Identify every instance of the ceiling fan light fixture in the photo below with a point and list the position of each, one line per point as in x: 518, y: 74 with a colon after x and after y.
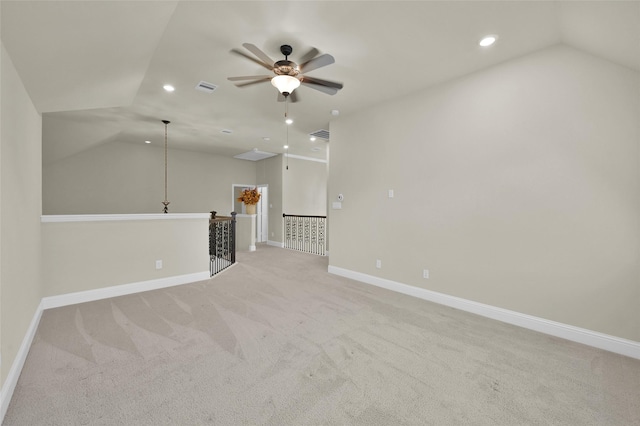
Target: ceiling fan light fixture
x: 285, y: 84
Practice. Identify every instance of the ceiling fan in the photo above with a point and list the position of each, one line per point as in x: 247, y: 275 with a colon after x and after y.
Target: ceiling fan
x: 288, y: 75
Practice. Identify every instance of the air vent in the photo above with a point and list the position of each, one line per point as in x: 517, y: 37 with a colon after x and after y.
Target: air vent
x: 322, y: 134
x: 203, y: 86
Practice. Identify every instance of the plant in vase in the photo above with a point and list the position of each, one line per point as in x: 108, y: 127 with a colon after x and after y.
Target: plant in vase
x: 250, y: 198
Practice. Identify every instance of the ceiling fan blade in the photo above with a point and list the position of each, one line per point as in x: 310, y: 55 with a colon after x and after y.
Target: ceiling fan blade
x: 259, y: 53
x: 249, y: 83
x: 249, y: 77
x: 312, y: 53
x: 251, y: 58
x: 324, y: 89
x: 293, y: 97
x: 317, y: 62
x: 322, y: 82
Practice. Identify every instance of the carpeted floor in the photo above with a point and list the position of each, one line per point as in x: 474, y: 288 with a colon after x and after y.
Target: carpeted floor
x: 276, y: 340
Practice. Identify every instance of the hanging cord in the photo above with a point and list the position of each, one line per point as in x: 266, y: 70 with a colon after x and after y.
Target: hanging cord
x: 165, y: 161
x: 165, y: 202
x: 286, y: 110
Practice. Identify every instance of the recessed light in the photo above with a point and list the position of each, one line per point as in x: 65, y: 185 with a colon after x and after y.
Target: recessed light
x: 335, y: 112
x: 488, y: 41
x: 266, y: 138
x: 147, y: 141
x: 168, y: 88
x: 312, y: 138
x: 288, y: 121
x: 286, y: 147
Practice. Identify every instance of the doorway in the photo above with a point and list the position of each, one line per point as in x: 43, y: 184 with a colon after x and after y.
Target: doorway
x: 262, y: 208
x: 262, y: 215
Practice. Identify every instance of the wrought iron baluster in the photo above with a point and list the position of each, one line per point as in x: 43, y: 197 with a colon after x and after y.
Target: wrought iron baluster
x: 305, y: 233
x: 222, y: 248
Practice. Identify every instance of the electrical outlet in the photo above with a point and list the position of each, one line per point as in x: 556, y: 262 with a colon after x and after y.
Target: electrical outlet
x: 425, y: 273
x: 391, y: 193
x: 378, y: 263
x: 158, y: 264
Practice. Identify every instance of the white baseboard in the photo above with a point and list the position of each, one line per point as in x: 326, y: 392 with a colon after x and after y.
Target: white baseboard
x: 607, y: 342
x: 71, y: 299
x: 275, y: 243
x: 121, y: 290
x: 10, y: 383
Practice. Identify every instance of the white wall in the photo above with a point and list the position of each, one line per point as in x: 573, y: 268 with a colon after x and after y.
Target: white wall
x: 517, y: 187
x: 124, y: 178
x: 20, y: 208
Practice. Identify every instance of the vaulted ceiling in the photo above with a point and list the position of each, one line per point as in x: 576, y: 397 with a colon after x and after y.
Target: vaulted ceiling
x: 96, y: 69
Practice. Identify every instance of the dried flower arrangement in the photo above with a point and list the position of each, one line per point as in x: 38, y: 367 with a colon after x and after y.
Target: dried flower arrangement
x: 249, y: 196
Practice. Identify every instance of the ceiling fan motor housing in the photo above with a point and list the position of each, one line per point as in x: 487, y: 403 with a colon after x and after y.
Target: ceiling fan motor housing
x: 286, y: 68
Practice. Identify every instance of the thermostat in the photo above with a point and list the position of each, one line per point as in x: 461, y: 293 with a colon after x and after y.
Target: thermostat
x: 340, y: 197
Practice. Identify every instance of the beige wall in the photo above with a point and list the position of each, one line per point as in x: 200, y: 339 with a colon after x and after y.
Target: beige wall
x: 300, y: 189
x: 245, y: 232
x: 124, y: 178
x: 81, y: 256
x: 20, y: 208
x: 518, y: 187
x: 304, y: 187
x: 269, y: 172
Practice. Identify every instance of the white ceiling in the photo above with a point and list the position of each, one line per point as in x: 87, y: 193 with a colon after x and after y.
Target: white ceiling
x: 95, y: 69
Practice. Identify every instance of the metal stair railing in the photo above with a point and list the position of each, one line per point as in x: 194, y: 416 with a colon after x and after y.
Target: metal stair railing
x: 222, y: 242
x: 305, y: 233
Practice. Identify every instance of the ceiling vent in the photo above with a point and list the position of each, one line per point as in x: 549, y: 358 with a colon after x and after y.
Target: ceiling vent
x: 254, y: 155
x: 322, y: 134
x: 203, y: 86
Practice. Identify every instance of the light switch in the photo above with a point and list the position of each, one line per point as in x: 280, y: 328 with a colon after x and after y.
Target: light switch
x: 391, y: 193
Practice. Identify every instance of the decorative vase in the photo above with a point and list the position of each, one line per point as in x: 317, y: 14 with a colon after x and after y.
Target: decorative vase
x: 250, y: 208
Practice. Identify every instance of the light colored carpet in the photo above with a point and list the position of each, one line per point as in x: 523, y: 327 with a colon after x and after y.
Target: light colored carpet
x: 276, y: 340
